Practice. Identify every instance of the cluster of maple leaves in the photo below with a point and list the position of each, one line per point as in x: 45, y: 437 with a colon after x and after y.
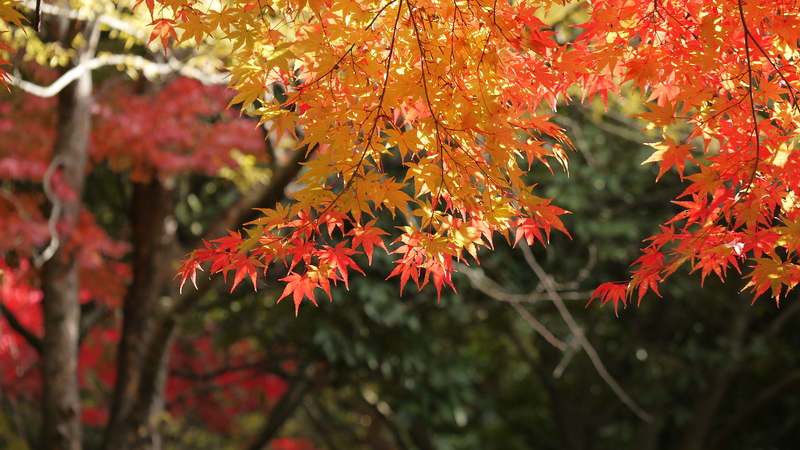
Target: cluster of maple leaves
x: 460, y: 93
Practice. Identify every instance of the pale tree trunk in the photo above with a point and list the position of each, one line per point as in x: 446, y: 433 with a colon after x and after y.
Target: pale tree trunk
x: 60, y: 283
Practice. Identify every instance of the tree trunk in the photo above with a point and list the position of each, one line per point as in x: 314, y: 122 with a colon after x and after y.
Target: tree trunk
x: 60, y: 283
x: 154, y: 225
x: 153, y: 311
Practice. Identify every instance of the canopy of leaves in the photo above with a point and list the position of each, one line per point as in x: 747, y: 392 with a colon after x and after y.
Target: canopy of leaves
x: 389, y: 86
x: 460, y: 91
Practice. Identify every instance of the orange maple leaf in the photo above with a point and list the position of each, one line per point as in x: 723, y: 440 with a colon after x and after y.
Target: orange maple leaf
x: 163, y: 29
x: 670, y: 154
x: 299, y: 286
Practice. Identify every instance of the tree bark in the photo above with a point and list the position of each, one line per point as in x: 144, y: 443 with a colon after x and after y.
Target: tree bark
x: 60, y: 282
x: 153, y: 235
x: 152, y: 311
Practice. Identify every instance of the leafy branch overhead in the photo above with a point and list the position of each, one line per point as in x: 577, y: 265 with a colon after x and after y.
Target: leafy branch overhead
x: 462, y: 91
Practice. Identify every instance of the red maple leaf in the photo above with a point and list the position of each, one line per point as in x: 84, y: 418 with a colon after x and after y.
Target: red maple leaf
x: 338, y: 259
x: 615, y: 291
x: 299, y: 286
x: 368, y: 236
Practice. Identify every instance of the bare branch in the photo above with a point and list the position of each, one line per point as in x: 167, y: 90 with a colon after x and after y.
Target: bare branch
x: 581, y: 338
x: 541, y: 329
x: 15, y: 325
x: 493, y: 290
x: 149, y: 69
x: 490, y: 287
x: 778, y: 391
x: 112, y: 22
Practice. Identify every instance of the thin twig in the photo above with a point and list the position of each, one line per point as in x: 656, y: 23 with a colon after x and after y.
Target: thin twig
x: 747, y: 37
x: 581, y: 338
x: 493, y: 290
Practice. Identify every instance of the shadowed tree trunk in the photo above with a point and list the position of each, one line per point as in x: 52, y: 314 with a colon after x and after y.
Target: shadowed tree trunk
x: 154, y: 226
x: 153, y: 310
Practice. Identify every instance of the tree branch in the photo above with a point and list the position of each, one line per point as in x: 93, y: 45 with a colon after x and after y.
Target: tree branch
x: 112, y: 22
x: 490, y: 287
x: 495, y: 291
x: 767, y: 398
x: 285, y: 407
x: 15, y: 325
x: 149, y: 69
x: 581, y: 338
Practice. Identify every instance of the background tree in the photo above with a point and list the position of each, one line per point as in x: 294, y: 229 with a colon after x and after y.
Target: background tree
x: 95, y: 256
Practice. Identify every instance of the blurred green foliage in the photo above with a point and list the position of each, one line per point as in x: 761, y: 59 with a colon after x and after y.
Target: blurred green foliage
x: 468, y: 372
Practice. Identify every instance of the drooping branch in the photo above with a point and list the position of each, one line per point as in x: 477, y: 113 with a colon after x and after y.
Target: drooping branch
x: 151, y: 70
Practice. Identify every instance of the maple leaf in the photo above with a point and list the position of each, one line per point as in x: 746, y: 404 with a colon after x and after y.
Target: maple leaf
x: 661, y: 116
x: 300, y: 250
x: 4, y: 77
x: 338, y: 259
x: 614, y: 291
x: 151, y: 4
x: 670, y: 154
x: 9, y: 14
x: 413, y: 259
x: 193, y: 29
x: 163, y: 29
x: 441, y: 271
x: 368, y: 236
x: 773, y: 274
x: 188, y: 269
x: 358, y: 101
x: 299, y: 286
x: 248, y: 267
x: 530, y: 230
